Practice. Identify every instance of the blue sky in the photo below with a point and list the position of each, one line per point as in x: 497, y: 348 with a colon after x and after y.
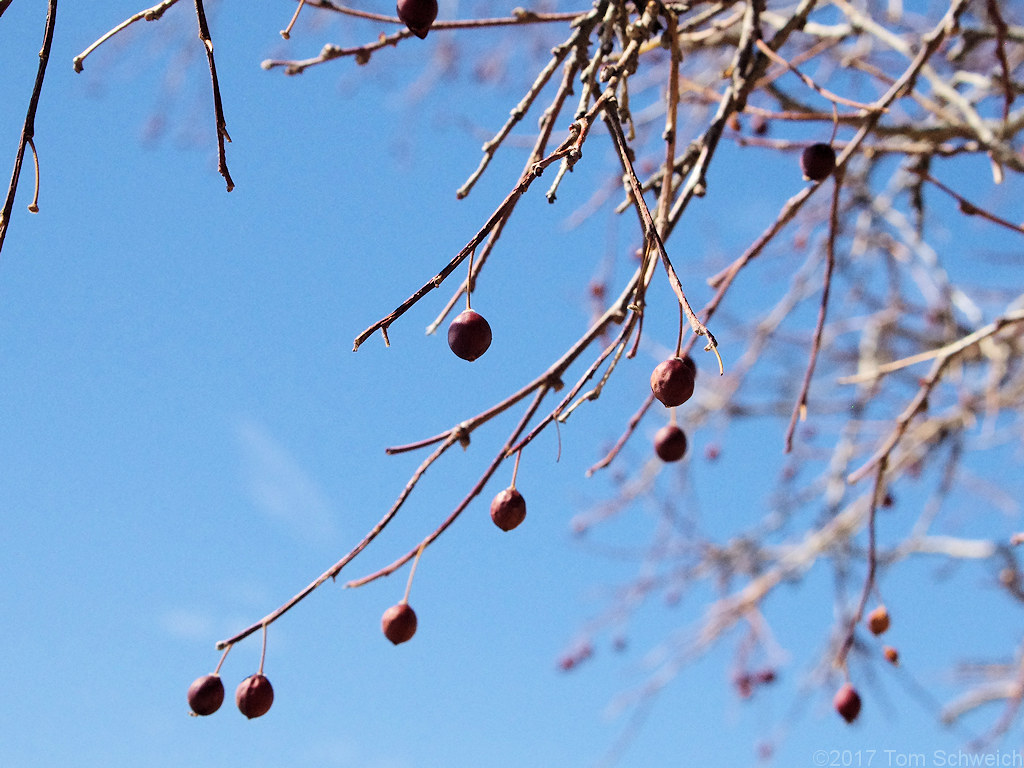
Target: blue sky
x: 187, y: 438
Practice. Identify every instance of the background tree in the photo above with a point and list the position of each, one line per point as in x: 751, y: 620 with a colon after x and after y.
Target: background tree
x: 841, y: 303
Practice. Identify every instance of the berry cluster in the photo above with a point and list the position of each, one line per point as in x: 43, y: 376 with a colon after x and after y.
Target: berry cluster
x: 469, y: 337
x: 253, y: 696
x: 847, y: 701
x: 672, y: 383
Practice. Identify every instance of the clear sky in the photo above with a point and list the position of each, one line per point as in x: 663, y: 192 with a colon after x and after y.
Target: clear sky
x: 186, y: 438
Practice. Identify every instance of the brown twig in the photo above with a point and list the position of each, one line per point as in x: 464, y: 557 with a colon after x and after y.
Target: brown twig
x: 800, y: 409
x: 28, y: 130
x: 475, y: 491
x: 150, y: 14
x: 634, y: 422
x: 833, y: 97
x: 362, y: 53
x: 651, y: 234
x: 218, y: 107
x: 877, y: 494
x: 992, y: 8
x: 569, y: 147
x: 967, y: 207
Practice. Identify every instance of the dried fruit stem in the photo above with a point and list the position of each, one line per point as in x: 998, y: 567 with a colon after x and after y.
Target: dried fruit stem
x: 412, y: 573
x: 287, y: 31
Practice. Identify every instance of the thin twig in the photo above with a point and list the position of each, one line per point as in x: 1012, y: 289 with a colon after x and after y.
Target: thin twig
x: 577, y: 134
x: 361, y: 53
x: 218, y: 107
x: 28, y: 130
x: 150, y: 14
x: 611, y: 118
x: 800, y: 409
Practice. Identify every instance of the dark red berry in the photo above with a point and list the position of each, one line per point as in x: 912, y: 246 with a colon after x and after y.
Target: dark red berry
x: 254, y: 696
x: 672, y: 381
x: 508, y: 509
x: 469, y: 335
x: 206, y: 694
x: 417, y: 15
x: 399, y: 623
x: 817, y: 162
x: 670, y: 443
x: 847, y: 702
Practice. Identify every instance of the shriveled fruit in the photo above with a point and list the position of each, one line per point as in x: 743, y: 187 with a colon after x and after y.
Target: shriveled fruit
x: 847, y: 702
x: 206, y: 694
x: 508, y: 509
x: 417, y: 15
x: 891, y: 655
x: 817, y: 162
x: 399, y: 623
x: 469, y: 335
x: 672, y: 381
x: 878, y: 620
x: 254, y: 696
x: 670, y: 443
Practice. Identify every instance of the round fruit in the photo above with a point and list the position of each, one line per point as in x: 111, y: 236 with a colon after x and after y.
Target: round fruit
x: 878, y: 620
x: 399, y: 623
x: 508, y: 509
x: 469, y: 335
x: 891, y: 655
x: 670, y: 443
x: 817, y: 162
x: 672, y: 381
x: 254, y: 696
x: 417, y: 15
x: 206, y: 694
x: 847, y: 702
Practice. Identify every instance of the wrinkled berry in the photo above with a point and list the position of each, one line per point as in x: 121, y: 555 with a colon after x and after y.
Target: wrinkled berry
x: 469, y: 335
x: 672, y: 381
x: 417, y: 15
x: 817, y: 162
x: 847, y: 702
x: 508, y: 509
x: 399, y: 623
x: 206, y: 694
x: 670, y: 443
x: 254, y: 696
x: 878, y: 620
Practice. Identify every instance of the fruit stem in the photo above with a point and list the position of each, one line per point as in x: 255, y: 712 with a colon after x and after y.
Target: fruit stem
x: 679, y: 338
x: 222, y: 657
x: 515, y: 468
x: 263, y: 653
x: 469, y: 277
x: 34, y: 205
x: 412, y: 572
x: 287, y: 31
